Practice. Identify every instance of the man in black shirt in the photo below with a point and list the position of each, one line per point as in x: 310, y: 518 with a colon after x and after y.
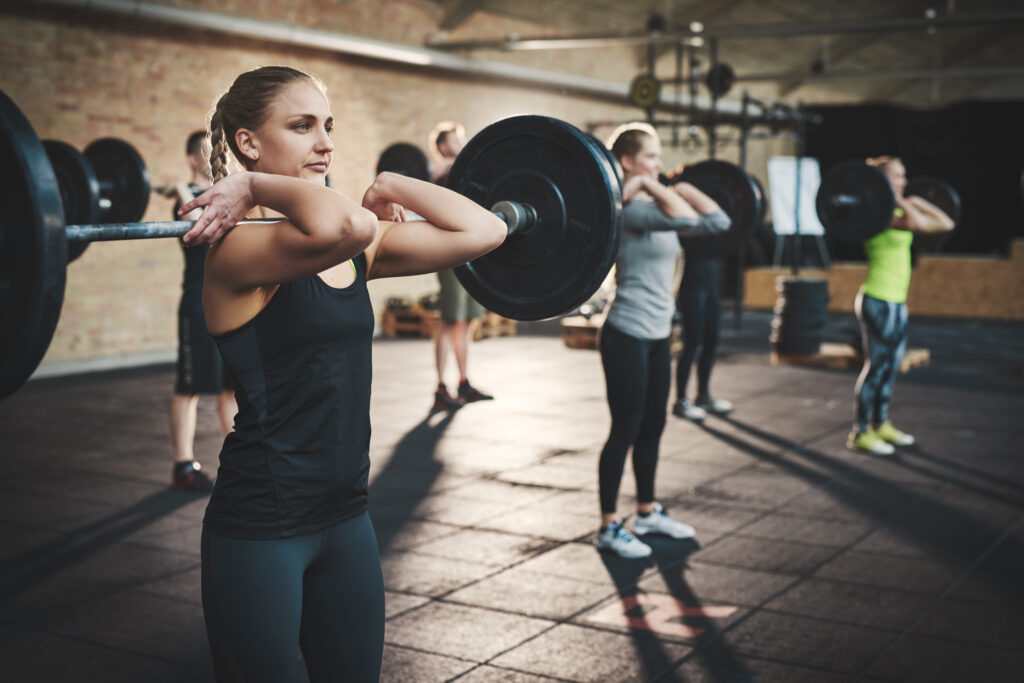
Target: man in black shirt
x: 200, y: 369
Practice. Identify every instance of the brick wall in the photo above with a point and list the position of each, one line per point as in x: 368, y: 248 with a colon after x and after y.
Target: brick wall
x: 78, y: 77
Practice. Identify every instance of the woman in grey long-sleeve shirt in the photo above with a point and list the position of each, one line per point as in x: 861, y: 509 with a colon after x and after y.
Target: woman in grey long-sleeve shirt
x: 635, y: 337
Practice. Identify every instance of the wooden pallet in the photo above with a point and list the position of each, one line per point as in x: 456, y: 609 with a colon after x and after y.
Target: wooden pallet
x: 415, y: 322
x: 493, y: 325
x: 845, y: 357
x: 581, y: 333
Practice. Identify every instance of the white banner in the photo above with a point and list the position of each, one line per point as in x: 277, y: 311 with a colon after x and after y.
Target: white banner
x: 782, y: 188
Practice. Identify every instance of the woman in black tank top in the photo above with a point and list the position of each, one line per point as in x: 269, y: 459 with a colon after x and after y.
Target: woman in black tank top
x: 289, y: 555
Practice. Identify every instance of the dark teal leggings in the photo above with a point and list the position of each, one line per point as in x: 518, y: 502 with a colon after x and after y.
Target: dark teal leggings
x: 883, y: 328
x: 321, y: 592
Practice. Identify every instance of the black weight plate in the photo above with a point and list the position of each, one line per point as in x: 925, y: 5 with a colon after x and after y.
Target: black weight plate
x: 405, y: 158
x: 552, y: 166
x: 732, y: 188
x: 33, y: 249
x: 871, y: 193
x: 941, y: 194
x: 616, y: 166
x: 79, y: 189
x: 720, y: 79
x: 123, y: 177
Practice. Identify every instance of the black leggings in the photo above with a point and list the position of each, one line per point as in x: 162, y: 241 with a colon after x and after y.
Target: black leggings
x: 883, y: 328
x: 699, y: 302
x: 637, y: 376
x: 323, y: 592
x: 702, y: 313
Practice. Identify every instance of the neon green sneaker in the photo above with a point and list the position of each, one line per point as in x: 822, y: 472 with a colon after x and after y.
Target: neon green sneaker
x: 894, y: 436
x: 869, y: 442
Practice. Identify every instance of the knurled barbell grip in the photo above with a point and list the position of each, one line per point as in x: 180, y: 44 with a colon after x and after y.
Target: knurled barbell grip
x: 114, y: 232
x: 518, y: 217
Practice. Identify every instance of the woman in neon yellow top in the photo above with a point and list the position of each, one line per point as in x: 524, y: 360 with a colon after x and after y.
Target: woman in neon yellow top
x: 882, y: 311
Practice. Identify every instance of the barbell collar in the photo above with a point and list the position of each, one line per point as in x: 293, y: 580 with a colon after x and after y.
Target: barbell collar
x: 517, y: 216
x: 845, y: 200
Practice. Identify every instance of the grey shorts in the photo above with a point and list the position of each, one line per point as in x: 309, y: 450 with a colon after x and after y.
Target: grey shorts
x: 456, y: 303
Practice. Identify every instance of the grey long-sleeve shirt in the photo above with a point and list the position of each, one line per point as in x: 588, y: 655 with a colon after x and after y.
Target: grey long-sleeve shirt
x: 644, y: 301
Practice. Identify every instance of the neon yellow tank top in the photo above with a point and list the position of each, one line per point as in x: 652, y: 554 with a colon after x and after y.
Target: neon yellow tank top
x: 888, y: 255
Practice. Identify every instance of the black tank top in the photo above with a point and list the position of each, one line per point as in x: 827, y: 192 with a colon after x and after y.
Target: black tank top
x: 298, y: 458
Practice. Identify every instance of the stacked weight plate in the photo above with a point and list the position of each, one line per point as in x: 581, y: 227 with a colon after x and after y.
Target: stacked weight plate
x: 799, y: 315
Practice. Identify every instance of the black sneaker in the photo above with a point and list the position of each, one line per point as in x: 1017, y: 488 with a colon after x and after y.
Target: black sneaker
x: 469, y: 394
x: 444, y: 401
x: 188, y: 476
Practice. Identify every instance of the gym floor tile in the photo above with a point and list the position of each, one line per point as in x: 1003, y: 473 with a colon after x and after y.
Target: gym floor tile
x: 992, y: 582
x: 410, y: 572
x: 766, y: 555
x: 485, y: 547
x: 716, y: 663
x: 937, y: 660
x: 826, y: 532
x: 403, y: 533
x: 554, y: 476
x: 915, y: 576
x: 400, y: 603
x: 402, y: 664
x: 662, y: 616
x: 460, y: 631
x: 975, y: 622
x: 851, y: 603
x: 584, y: 562
x: 492, y: 674
x: 170, y: 630
x: 842, y: 648
x: 534, y: 520
x: 42, y: 657
x: 704, y: 582
x: 598, y: 655
x: 532, y: 594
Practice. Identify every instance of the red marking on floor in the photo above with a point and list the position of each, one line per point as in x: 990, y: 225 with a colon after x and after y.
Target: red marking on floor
x: 660, y: 614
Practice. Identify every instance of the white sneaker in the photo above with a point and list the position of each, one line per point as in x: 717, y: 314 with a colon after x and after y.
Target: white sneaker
x: 624, y: 544
x: 715, y: 406
x: 660, y: 523
x: 683, y: 409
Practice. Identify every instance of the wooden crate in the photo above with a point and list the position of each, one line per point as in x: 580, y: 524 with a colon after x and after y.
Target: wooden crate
x: 493, y: 325
x: 415, y: 322
x: 845, y: 357
x: 580, y: 333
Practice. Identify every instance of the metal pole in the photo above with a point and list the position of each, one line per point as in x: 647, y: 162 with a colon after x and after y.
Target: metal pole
x: 797, y: 253
x: 741, y: 260
x: 712, y: 140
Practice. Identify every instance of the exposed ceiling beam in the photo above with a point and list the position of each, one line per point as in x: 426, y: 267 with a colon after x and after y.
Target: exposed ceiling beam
x: 959, y: 53
x: 458, y: 12
x: 892, y: 74
x: 764, y: 30
x: 843, y: 48
x: 705, y: 13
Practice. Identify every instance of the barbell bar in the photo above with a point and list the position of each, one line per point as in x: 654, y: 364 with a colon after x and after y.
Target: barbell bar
x: 555, y: 191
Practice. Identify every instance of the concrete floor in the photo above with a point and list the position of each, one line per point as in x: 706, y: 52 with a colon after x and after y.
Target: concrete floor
x: 811, y: 563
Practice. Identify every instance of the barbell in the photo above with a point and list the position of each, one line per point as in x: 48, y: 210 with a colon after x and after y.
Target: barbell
x: 855, y: 201
x: 553, y: 188
x: 737, y: 193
